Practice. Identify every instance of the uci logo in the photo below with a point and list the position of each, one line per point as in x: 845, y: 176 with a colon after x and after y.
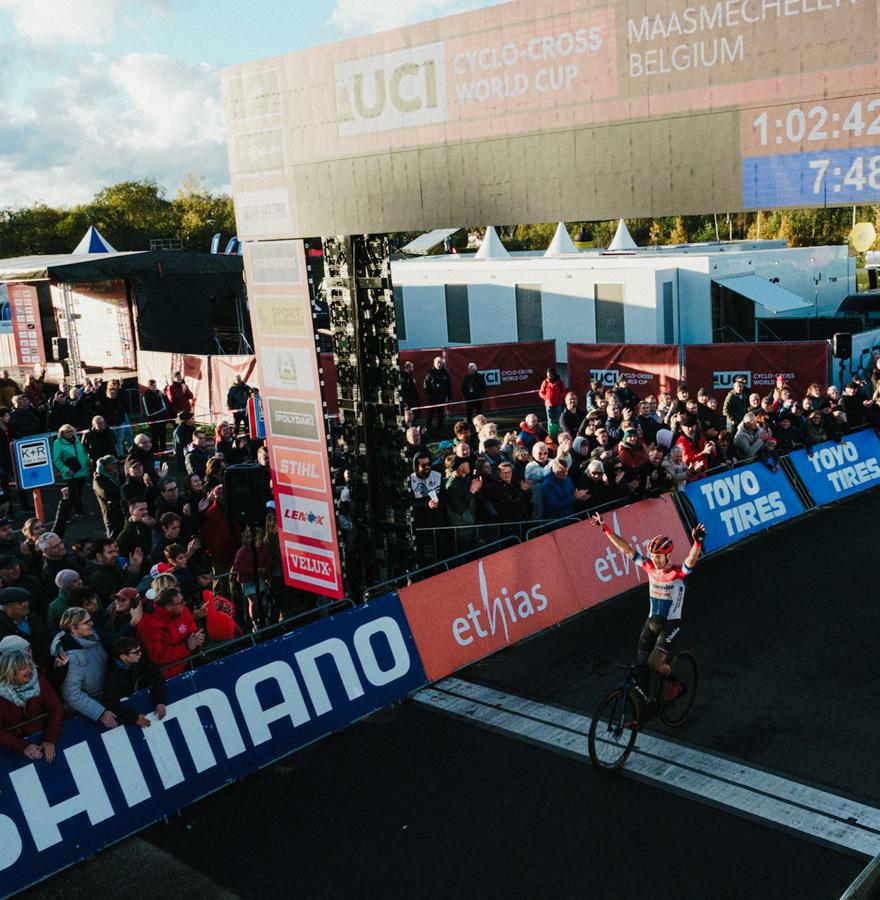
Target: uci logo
x: 391, y: 90
x: 724, y: 380
x: 608, y: 377
x: 492, y: 376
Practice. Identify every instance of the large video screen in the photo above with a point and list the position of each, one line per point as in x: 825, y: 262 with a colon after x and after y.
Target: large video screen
x: 535, y: 111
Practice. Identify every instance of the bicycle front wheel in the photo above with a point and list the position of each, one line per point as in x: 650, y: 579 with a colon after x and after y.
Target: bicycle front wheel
x: 686, y: 672
x: 613, y: 731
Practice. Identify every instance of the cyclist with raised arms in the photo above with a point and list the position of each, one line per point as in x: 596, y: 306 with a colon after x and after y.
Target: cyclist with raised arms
x: 666, y: 587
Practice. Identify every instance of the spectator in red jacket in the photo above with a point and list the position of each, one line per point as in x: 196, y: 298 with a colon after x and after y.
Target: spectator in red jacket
x: 552, y: 392
x: 169, y: 633
x: 696, y: 450
x: 28, y: 704
x: 178, y: 395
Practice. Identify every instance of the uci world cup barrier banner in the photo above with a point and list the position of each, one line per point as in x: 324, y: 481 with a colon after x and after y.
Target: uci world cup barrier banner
x: 836, y: 470
x: 223, y: 722
x: 741, y: 502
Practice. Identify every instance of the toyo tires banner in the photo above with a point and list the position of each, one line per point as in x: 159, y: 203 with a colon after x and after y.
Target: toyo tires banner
x: 742, y: 502
x: 834, y: 471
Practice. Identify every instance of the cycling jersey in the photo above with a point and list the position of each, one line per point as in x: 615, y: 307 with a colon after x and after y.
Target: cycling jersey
x: 666, y: 589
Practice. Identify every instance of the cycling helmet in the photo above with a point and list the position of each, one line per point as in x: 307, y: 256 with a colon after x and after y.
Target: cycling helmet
x: 660, y: 544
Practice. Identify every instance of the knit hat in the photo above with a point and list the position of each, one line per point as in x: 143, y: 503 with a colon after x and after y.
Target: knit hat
x: 664, y: 438
x: 445, y: 445
x: 595, y: 466
x: 160, y: 569
x: 578, y: 443
x: 13, y: 642
x: 630, y: 431
x: 65, y: 578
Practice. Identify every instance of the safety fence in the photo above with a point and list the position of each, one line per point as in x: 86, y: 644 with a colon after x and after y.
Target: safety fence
x: 243, y: 711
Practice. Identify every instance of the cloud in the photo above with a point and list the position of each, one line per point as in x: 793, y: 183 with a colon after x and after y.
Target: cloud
x: 64, y: 21
x: 357, y: 17
x: 142, y: 115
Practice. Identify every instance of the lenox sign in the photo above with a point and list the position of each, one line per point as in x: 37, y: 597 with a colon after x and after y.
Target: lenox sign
x: 391, y: 90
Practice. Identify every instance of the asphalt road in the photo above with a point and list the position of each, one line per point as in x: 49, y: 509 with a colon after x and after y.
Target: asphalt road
x: 415, y: 803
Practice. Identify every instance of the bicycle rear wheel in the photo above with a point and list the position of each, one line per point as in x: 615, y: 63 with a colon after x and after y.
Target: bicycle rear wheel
x: 613, y: 731
x: 686, y: 671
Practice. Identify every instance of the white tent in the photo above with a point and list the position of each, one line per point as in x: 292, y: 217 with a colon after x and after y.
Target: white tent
x: 561, y: 243
x: 492, y: 248
x: 623, y: 239
x: 93, y: 242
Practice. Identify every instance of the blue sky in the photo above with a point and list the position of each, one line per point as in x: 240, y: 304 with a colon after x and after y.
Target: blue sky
x: 99, y: 91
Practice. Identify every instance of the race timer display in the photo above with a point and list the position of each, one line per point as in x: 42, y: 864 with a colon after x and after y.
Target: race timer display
x: 812, y: 154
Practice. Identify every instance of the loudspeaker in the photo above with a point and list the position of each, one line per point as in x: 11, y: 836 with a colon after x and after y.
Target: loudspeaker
x: 841, y: 345
x: 59, y: 349
x: 244, y: 493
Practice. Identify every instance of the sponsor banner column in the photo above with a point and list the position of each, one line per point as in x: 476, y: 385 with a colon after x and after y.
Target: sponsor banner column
x: 27, y: 331
x: 288, y: 375
x: 834, y: 471
x: 715, y: 366
x: 742, y: 502
x: 649, y: 368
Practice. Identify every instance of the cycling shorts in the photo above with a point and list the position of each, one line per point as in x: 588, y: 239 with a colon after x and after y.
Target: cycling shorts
x: 658, y: 633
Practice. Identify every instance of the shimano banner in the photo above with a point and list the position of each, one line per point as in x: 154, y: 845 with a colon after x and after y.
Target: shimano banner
x: 223, y: 722
x: 742, y: 502
x: 833, y: 471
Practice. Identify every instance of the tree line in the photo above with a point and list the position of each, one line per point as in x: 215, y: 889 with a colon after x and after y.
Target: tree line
x: 132, y: 213
x: 129, y: 215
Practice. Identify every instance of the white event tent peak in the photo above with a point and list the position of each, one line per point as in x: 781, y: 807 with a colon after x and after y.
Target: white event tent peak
x: 623, y: 239
x: 491, y: 247
x: 561, y: 243
x: 93, y: 242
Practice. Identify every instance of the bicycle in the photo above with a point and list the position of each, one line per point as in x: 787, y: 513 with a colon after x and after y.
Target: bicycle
x: 625, y: 710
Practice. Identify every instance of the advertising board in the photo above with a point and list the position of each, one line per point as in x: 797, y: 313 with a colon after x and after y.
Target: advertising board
x: 615, y: 109
x: 223, y: 722
x: 834, y: 470
x: 650, y: 368
x: 473, y: 610
x: 293, y: 412
x: 715, y: 366
x: 739, y: 503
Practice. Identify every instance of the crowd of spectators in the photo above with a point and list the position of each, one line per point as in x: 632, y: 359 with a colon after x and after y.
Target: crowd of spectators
x: 609, y: 446
x: 85, y: 623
